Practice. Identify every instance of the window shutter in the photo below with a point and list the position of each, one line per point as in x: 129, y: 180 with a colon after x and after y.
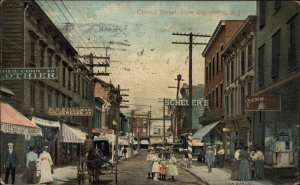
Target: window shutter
x: 261, y: 13
x: 261, y: 66
x: 275, y: 54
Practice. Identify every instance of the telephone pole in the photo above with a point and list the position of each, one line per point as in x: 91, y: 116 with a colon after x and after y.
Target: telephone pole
x: 190, y: 115
x: 176, y: 108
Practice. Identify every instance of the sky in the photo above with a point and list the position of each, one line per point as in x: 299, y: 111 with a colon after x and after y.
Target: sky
x: 143, y: 58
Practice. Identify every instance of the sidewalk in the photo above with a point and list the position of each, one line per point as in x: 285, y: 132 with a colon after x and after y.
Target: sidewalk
x: 219, y: 176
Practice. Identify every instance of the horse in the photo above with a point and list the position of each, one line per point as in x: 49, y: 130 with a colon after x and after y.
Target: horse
x: 93, y: 164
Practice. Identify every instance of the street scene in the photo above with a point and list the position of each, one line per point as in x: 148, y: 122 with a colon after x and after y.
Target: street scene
x: 149, y: 92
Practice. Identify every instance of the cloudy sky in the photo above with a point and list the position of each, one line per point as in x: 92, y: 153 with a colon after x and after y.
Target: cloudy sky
x: 144, y: 60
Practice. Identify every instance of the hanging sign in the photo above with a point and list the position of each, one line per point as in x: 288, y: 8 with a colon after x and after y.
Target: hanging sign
x: 28, y: 73
x: 70, y: 111
x: 263, y: 103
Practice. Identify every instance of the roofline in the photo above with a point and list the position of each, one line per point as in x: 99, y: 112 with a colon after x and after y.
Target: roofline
x: 55, y: 27
x: 216, y: 32
x: 218, y: 29
x: 238, y: 31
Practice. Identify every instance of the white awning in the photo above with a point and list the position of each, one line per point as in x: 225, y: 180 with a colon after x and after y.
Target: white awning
x: 70, y: 134
x: 205, y: 130
x: 44, y: 122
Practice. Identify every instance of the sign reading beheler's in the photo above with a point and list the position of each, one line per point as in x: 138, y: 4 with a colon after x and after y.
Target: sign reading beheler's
x: 70, y: 111
x: 28, y: 73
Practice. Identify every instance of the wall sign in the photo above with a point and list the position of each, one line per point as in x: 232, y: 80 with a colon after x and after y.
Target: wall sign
x: 28, y: 73
x: 263, y: 103
x: 70, y: 111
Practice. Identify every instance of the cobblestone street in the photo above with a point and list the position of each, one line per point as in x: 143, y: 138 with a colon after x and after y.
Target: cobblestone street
x: 132, y: 172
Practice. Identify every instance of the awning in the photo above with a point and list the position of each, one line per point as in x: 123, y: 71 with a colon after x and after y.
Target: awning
x: 7, y: 91
x: 14, y: 122
x: 205, y: 130
x: 44, y: 122
x: 70, y: 134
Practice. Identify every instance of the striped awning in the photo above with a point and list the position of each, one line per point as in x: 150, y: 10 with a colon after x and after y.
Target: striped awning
x: 13, y: 122
x: 69, y: 134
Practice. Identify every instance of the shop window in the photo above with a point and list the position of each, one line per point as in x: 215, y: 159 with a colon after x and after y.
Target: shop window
x: 275, y: 54
x: 262, y: 13
x: 243, y: 62
x: 260, y: 74
x: 292, y: 45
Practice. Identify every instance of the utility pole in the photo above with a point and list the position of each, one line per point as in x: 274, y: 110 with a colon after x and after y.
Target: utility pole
x: 164, y: 123
x: 91, y: 74
x: 176, y: 108
x: 190, y: 115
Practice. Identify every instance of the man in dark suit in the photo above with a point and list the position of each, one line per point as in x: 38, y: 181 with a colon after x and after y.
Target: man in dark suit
x: 11, y: 161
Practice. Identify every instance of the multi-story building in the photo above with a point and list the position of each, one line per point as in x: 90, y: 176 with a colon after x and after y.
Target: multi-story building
x: 238, y: 57
x: 31, y: 40
x: 214, y: 72
x: 277, y: 73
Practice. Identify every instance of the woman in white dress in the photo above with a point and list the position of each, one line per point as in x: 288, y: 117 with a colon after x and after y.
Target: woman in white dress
x: 155, y: 167
x: 44, y: 164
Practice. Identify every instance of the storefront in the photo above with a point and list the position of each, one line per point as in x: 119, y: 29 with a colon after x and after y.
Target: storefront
x: 17, y: 129
x: 50, y: 131
x: 70, y: 144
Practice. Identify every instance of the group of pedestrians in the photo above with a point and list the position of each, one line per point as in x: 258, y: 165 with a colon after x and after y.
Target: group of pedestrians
x: 248, y: 166
x: 217, y: 154
x: 159, y: 167
x: 38, y: 168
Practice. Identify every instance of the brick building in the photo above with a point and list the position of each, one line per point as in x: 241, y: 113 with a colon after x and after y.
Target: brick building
x: 31, y: 40
x: 214, y: 74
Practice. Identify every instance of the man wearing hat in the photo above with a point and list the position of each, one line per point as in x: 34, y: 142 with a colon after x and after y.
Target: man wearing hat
x: 209, y: 157
x: 11, y: 161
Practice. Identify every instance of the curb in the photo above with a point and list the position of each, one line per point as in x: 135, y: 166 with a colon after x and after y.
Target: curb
x: 201, y: 180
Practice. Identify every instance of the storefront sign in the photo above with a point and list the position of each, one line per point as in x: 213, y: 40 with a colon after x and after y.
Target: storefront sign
x: 71, y: 111
x: 185, y: 102
x: 28, y: 73
x: 263, y: 103
x: 18, y: 129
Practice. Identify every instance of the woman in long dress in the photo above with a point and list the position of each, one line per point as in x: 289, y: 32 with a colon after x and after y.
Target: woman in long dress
x: 244, y: 173
x: 155, y: 167
x: 45, y: 163
x: 172, y: 168
x: 149, y: 160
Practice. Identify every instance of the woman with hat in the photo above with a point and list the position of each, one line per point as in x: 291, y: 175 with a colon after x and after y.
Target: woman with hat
x: 31, y: 161
x: 244, y: 173
x: 44, y: 164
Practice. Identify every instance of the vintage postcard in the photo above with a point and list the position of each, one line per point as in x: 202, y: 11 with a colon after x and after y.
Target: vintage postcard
x: 149, y: 92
